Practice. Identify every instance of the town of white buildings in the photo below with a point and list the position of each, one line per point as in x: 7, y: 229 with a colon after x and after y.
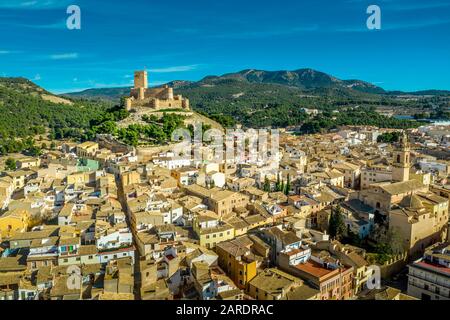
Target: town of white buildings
x: 96, y: 220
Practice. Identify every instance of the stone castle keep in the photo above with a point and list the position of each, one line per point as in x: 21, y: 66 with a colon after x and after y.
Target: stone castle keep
x: 155, y: 98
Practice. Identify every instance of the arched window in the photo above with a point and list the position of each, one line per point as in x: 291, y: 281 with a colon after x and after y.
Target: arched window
x: 398, y: 158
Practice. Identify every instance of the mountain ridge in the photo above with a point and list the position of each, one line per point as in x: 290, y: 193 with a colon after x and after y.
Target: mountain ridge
x: 305, y: 79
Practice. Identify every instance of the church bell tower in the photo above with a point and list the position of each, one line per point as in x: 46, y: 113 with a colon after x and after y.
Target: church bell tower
x: 401, y: 165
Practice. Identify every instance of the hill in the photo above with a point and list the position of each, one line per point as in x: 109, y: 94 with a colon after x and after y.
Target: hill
x: 307, y: 81
x: 29, y: 111
x: 31, y: 115
x: 304, y: 79
x: 111, y: 94
x: 259, y: 98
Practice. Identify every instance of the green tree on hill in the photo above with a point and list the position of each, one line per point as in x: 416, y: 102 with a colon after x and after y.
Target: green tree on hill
x: 10, y: 164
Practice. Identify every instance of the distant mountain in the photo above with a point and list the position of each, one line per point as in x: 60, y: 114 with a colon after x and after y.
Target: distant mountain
x: 100, y: 93
x: 306, y: 80
x: 114, y: 94
x: 421, y: 93
x: 261, y: 98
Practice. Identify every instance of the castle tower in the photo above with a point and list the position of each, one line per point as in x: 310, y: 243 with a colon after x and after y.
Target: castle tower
x: 140, y: 79
x: 401, y: 165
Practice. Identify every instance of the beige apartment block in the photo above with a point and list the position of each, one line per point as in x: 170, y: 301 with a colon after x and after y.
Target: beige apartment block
x: 429, y: 277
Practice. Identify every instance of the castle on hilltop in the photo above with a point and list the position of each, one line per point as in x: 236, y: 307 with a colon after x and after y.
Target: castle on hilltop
x: 155, y: 98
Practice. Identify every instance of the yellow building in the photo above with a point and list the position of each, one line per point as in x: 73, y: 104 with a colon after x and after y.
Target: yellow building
x: 237, y: 260
x: 87, y: 149
x: 13, y: 222
x: 333, y: 177
x: 80, y: 178
x: 19, y: 177
x: 220, y: 201
x: 421, y: 219
x: 272, y: 284
x: 211, y: 231
x: 130, y: 177
x: 6, y: 190
x: 25, y: 163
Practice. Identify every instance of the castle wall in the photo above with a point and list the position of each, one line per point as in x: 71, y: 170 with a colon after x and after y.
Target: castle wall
x: 155, y: 98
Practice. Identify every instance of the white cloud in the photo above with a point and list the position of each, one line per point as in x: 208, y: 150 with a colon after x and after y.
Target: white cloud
x: 175, y: 69
x: 64, y: 56
x: 261, y: 34
x: 112, y: 84
x: 34, y: 4
x: 9, y: 51
x: 37, y: 77
x: 57, y: 25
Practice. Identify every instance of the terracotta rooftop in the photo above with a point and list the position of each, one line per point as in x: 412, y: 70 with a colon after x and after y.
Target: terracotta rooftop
x: 314, y: 269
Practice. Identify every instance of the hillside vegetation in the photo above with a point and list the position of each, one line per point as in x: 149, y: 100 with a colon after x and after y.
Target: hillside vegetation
x: 257, y: 98
x: 30, y: 113
x: 28, y: 110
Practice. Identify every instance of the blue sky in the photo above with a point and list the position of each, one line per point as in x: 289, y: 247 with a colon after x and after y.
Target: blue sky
x: 187, y: 40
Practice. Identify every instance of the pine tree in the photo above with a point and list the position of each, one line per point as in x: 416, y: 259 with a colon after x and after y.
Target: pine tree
x: 266, y: 186
x: 336, y: 226
x: 278, y: 185
x: 288, y: 185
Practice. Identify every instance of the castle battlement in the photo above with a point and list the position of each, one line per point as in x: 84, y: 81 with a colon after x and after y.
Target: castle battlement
x: 154, y: 98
